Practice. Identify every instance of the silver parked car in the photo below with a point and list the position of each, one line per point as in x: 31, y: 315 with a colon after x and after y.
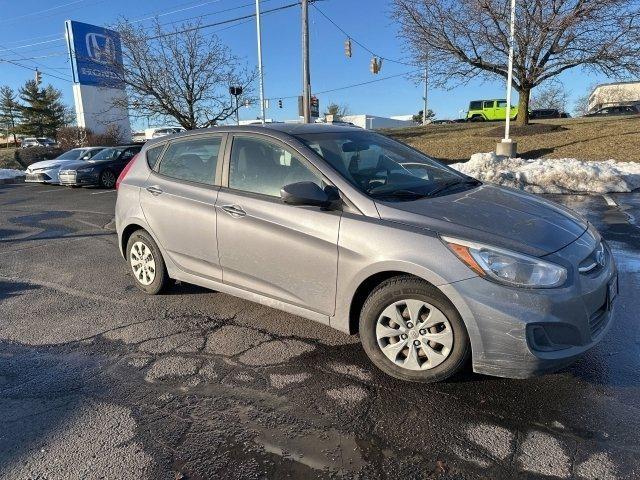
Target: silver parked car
x: 365, y: 234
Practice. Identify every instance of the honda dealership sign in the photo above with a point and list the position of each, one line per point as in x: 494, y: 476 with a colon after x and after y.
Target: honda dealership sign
x: 96, y: 59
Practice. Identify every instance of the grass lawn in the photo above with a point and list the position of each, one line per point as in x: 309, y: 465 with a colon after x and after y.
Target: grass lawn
x: 615, y: 138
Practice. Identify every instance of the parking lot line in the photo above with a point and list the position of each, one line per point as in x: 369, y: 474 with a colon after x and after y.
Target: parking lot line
x: 610, y: 201
x: 104, y: 191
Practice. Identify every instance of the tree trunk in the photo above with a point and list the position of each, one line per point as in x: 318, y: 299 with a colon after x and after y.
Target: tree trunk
x: 523, y: 106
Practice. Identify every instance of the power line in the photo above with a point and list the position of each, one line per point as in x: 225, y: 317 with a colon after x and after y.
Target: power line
x: 33, y: 69
x: 345, y: 87
x: 223, y: 22
x: 31, y: 14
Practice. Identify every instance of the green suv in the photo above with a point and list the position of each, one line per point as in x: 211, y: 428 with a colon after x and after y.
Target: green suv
x: 489, y: 110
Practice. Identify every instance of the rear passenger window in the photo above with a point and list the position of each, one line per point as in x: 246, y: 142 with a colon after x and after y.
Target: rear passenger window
x: 153, y: 154
x: 192, y: 160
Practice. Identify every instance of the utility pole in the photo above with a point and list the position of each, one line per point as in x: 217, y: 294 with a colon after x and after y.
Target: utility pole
x: 426, y: 84
x: 306, y: 78
x: 259, y: 35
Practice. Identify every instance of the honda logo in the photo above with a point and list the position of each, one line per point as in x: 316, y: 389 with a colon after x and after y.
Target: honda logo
x: 101, y: 48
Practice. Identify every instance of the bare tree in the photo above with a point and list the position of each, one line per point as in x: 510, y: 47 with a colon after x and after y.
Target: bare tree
x: 183, y: 74
x: 465, y: 39
x: 551, y: 95
x: 338, y: 111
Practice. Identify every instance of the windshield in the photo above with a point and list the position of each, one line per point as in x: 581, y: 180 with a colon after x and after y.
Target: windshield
x: 108, y: 154
x: 381, y: 167
x: 71, y: 154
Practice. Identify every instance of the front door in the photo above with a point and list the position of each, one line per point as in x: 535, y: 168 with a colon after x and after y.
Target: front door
x: 285, y: 252
x: 178, y: 202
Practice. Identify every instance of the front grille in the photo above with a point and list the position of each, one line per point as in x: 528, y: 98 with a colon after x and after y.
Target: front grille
x: 597, y: 321
x: 68, y: 177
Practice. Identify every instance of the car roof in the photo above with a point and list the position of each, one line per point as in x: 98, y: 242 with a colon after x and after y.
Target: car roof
x: 284, y: 128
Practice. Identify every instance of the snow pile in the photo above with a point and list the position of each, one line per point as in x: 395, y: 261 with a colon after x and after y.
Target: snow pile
x: 7, y: 173
x: 544, y: 175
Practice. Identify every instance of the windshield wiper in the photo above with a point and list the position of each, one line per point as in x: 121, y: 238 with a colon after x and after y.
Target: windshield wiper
x: 404, y: 194
x: 452, y: 183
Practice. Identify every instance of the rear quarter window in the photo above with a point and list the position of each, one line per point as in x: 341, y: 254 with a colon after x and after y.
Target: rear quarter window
x: 153, y: 154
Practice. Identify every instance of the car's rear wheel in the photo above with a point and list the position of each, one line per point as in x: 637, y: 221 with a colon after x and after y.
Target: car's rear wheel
x: 411, y: 331
x: 107, y: 179
x: 146, y: 263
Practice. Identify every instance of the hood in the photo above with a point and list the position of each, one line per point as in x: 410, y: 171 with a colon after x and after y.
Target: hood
x: 48, y: 163
x: 498, y: 216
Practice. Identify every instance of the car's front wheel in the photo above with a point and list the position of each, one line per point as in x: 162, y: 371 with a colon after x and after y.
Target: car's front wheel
x: 107, y: 179
x: 146, y: 263
x: 411, y: 331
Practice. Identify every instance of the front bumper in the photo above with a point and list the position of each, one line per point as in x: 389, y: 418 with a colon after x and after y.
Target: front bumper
x: 46, y: 176
x: 519, y: 333
x: 77, y: 178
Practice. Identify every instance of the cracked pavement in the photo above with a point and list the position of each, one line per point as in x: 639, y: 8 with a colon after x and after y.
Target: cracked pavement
x: 98, y: 380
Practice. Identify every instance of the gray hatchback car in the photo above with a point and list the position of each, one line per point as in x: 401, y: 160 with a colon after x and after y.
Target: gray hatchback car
x: 365, y: 234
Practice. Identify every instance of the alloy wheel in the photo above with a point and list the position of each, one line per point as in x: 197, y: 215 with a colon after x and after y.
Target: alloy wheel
x: 414, y: 334
x: 108, y: 179
x: 142, y: 263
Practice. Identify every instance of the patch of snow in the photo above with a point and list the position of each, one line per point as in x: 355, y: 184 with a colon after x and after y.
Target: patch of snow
x: 6, y: 173
x: 546, y: 175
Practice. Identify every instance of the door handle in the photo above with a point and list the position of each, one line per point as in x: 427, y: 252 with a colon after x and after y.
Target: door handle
x: 154, y: 190
x: 235, y: 211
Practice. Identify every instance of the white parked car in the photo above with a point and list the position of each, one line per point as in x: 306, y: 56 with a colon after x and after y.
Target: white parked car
x: 47, y: 171
x: 37, y: 142
x: 158, y: 132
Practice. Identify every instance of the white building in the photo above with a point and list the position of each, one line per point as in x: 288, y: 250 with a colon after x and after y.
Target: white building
x: 371, y: 122
x: 611, y: 94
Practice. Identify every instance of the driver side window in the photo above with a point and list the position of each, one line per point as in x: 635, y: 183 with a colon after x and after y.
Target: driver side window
x: 260, y: 166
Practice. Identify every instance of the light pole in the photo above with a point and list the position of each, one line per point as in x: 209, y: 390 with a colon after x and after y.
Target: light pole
x: 426, y: 86
x: 306, y: 77
x: 259, y: 35
x: 507, y: 147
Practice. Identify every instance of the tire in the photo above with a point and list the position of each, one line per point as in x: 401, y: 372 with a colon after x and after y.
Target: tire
x: 151, y: 276
x: 107, y: 179
x: 478, y: 118
x: 430, y: 361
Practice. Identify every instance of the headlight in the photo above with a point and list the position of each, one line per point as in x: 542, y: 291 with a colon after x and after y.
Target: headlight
x: 505, y: 266
x: 85, y: 169
x: 51, y: 167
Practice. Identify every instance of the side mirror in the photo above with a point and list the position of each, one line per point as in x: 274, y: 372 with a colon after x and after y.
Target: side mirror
x: 309, y: 194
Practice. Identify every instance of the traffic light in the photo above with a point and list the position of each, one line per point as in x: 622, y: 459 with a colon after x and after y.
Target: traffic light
x: 38, y: 77
x: 347, y: 47
x: 280, y: 103
x: 376, y: 65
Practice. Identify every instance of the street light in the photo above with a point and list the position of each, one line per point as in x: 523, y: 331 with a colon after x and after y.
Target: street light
x: 507, y: 147
x: 236, y: 91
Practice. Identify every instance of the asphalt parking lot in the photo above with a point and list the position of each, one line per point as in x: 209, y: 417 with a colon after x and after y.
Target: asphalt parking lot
x: 98, y: 380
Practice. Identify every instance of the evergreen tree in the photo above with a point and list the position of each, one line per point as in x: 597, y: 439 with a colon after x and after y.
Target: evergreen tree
x: 8, y: 110
x: 42, y: 110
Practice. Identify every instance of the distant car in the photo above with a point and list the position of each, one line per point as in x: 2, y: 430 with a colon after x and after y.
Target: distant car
x: 139, y: 136
x: 489, y: 110
x: 615, y: 110
x: 37, y: 142
x: 103, y: 169
x: 542, y: 113
x: 47, y: 171
x: 161, y: 132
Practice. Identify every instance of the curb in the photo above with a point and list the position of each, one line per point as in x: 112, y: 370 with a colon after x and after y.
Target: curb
x: 6, y: 181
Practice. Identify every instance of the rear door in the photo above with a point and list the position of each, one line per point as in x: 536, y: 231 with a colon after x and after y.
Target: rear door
x: 289, y: 253
x: 179, y: 202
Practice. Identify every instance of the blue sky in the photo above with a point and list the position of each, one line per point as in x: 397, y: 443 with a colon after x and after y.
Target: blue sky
x: 32, y: 30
